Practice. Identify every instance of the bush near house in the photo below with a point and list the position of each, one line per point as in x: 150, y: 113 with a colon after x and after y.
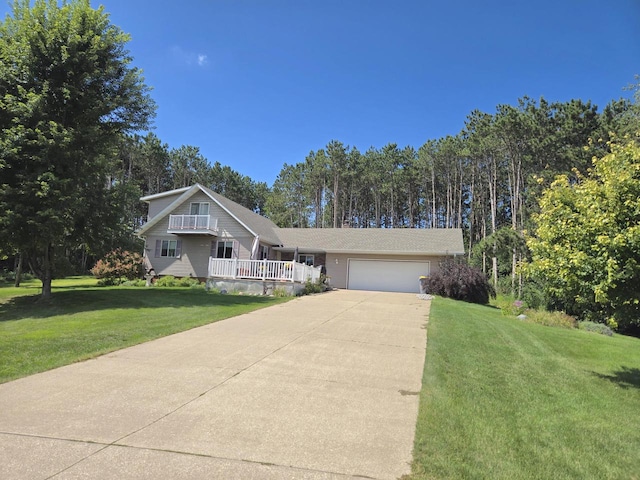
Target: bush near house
x: 118, y: 266
x: 459, y: 281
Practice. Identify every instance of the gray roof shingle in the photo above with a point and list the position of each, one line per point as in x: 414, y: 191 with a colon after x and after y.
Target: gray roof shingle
x: 375, y: 240
x: 394, y: 241
x: 256, y: 222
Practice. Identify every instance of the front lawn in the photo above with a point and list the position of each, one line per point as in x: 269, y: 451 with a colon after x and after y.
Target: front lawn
x: 505, y: 399
x: 84, y: 320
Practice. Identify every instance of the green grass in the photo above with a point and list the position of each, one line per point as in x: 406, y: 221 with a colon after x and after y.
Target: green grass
x: 83, y: 320
x: 505, y: 399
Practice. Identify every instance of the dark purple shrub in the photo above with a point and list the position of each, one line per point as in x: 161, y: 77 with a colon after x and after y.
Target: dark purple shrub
x: 459, y: 281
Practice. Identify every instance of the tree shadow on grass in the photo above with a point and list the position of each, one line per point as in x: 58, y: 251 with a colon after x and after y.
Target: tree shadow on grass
x: 73, y: 300
x: 626, y: 377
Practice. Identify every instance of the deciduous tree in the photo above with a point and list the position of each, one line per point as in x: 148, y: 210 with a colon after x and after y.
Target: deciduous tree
x: 586, y: 246
x: 67, y: 92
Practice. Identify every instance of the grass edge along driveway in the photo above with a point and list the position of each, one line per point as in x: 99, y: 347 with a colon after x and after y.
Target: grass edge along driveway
x: 504, y: 399
x: 83, y: 320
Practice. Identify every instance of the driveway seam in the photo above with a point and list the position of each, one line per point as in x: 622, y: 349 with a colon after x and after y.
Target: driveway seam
x: 178, y: 452
x: 115, y: 442
x: 341, y: 412
x: 345, y: 340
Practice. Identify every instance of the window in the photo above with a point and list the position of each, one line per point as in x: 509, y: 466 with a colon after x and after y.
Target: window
x: 225, y: 249
x: 263, y: 252
x: 168, y: 248
x: 306, y: 259
x: 201, y: 208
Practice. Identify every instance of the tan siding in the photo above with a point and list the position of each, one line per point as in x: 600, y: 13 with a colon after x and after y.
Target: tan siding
x: 160, y: 229
x: 194, y: 259
x: 156, y: 206
x: 338, y: 272
x: 244, y: 246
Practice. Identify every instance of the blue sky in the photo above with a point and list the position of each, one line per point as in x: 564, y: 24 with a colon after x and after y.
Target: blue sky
x: 257, y: 83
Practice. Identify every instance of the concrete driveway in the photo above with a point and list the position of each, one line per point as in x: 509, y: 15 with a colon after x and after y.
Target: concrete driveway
x: 320, y: 387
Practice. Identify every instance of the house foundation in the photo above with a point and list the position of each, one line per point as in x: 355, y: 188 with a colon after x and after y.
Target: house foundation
x: 254, y: 287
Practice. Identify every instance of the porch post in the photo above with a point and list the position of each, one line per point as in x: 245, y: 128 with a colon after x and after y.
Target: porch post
x: 264, y: 269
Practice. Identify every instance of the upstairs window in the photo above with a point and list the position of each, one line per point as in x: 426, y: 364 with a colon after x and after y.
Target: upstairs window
x: 201, y: 208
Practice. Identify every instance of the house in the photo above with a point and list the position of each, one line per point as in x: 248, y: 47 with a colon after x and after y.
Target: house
x: 196, y: 232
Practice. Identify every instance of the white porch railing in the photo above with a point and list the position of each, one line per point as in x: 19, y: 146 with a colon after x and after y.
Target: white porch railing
x: 262, y: 270
x: 192, y: 222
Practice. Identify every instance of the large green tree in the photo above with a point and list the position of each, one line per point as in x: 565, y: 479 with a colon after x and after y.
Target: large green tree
x: 68, y: 92
x: 586, y: 247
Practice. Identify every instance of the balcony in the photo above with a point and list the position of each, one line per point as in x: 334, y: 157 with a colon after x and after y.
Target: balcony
x: 193, y: 225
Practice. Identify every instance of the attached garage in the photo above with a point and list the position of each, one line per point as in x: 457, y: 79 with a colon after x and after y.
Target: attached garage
x: 386, y: 275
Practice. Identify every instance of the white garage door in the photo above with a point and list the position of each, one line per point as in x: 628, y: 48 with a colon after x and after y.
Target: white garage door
x: 386, y: 276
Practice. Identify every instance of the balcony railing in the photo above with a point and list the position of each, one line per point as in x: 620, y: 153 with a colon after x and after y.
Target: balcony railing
x: 262, y: 270
x: 192, y: 223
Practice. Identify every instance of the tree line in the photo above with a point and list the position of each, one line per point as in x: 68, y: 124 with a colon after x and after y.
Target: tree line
x: 485, y: 180
x: 519, y: 181
x: 143, y: 165
x: 73, y: 164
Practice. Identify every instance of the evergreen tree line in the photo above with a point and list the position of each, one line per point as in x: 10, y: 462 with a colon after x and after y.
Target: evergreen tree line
x: 72, y: 170
x: 140, y: 165
x: 485, y: 180
x: 144, y: 165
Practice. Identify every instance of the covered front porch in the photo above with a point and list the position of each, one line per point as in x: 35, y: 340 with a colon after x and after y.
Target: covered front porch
x: 264, y: 270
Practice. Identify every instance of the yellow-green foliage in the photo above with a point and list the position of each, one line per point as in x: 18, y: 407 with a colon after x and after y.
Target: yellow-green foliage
x: 550, y: 319
x: 586, y: 248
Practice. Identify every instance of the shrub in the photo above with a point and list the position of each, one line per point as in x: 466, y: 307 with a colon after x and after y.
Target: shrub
x: 167, y: 281
x: 510, y: 307
x: 117, y: 266
x: 134, y: 283
x: 461, y: 282
x: 313, y: 287
x: 171, y: 281
x: 533, y: 294
x: 280, y: 293
x: 10, y: 276
x: 550, y: 319
x: 595, y: 327
x: 188, y: 282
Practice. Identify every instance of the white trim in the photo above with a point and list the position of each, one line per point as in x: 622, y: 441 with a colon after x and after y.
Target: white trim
x: 204, y: 190
x: 167, y: 210
x: 175, y: 249
x: 164, y: 194
x: 188, y: 193
x: 191, y: 204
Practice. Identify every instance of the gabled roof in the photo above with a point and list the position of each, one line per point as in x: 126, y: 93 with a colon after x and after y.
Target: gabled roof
x: 254, y: 223
x: 388, y: 241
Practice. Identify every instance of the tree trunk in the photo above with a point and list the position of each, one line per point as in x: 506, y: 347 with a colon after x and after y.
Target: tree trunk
x: 514, y: 263
x: 494, y: 262
x: 47, y: 272
x: 433, y: 197
x: 520, y: 280
x: 18, y: 271
x: 335, y: 200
